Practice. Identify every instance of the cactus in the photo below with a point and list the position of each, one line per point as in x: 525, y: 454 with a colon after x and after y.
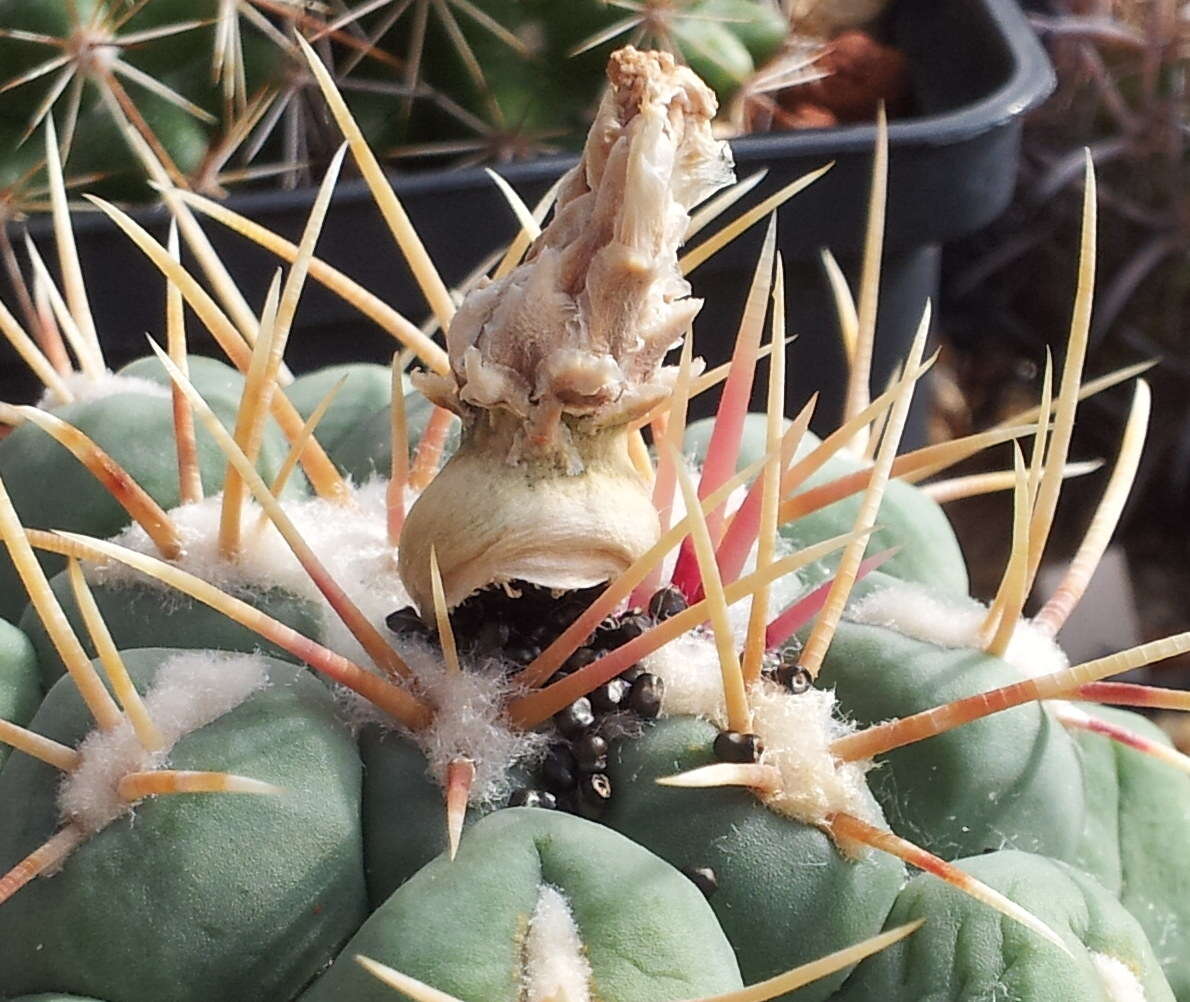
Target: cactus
x: 711, y: 659
x: 212, y: 94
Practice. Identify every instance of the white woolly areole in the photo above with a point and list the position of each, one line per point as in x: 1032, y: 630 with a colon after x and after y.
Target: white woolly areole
x: 469, y: 722
x: 1120, y: 984
x: 797, y: 731
x: 954, y: 622
x: 191, y: 689
x: 351, y: 541
x: 555, y: 963
x: 87, y: 388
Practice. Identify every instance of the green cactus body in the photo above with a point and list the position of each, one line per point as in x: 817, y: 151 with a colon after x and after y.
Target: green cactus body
x: 1010, y: 780
x: 403, y: 827
x: 366, y: 391
x: 212, y: 897
x: 211, y: 377
x: 245, y: 897
x: 714, y: 52
x: 549, y: 88
x: 967, y: 952
x: 140, y: 615
x: 928, y: 549
x: 20, y: 685
x: 761, y: 27
x: 55, y: 997
x: 643, y: 928
x: 1136, y: 805
x: 785, y: 894
x: 179, y: 61
x: 403, y: 806
x: 50, y: 488
x: 366, y: 450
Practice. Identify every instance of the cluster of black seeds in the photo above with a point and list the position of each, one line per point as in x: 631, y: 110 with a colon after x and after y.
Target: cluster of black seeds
x: 573, y: 776
x: 516, y: 624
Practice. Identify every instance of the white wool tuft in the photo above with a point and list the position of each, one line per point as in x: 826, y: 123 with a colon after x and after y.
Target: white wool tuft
x: 689, y: 667
x: 953, y: 622
x: 86, y: 388
x: 469, y: 722
x: 1119, y: 982
x: 351, y: 541
x: 556, y: 966
x: 191, y: 689
x: 797, y: 731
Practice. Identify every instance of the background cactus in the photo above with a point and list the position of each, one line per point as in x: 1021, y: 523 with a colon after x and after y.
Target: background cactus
x: 221, y: 801
x: 219, y: 92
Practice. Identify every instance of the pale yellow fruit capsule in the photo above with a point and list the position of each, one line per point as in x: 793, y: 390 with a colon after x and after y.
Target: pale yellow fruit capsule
x: 553, y: 364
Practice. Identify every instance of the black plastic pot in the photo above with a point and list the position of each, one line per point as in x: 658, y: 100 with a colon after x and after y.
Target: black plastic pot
x: 976, y: 67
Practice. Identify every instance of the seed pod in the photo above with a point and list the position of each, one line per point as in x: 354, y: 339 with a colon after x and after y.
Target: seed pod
x: 545, y: 409
x: 731, y: 746
x: 644, y: 698
x: 575, y: 719
x: 703, y: 877
x: 666, y: 602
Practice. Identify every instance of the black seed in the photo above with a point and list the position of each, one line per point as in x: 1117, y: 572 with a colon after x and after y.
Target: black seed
x: 629, y: 628
x: 633, y: 625
x: 469, y: 619
x: 796, y: 680
x: 667, y: 602
x: 644, y: 698
x: 606, y: 636
x: 631, y: 674
x: 590, y: 752
x: 575, y: 719
x: 405, y: 621
x: 610, y: 697
x: 732, y: 746
x: 703, y: 878
x: 594, y: 794
x: 543, y: 635
x: 491, y: 635
x: 524, y: 797
x: 559, y: 771
x: 521, y: 654
x: 579, y: 659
